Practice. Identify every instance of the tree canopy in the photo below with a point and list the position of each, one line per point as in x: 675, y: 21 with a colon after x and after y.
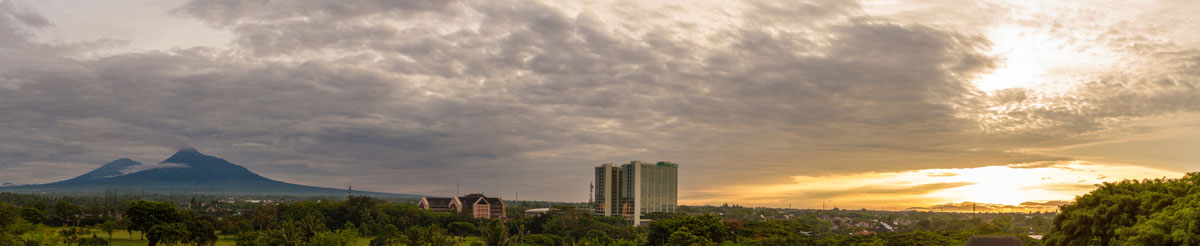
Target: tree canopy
x: 1132, y: 212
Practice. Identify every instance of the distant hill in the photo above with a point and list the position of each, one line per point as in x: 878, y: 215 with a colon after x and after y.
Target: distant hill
x: 187, y: 169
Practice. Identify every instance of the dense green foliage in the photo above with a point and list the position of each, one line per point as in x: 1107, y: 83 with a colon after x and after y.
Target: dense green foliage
x: 11, y: 225
x: 705, y: 228
x: 1132, y: 212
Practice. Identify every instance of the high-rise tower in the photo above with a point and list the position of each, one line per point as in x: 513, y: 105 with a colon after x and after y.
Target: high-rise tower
x: 636, y: 188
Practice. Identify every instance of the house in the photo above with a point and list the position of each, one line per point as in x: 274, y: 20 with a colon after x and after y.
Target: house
x: 478, y: 205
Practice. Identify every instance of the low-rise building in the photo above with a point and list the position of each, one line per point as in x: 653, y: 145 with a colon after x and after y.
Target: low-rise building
x: 478, y: 205
x: 440, y: 204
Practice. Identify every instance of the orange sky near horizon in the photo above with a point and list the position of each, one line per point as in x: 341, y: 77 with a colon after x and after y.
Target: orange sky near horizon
x: 1008, y: 185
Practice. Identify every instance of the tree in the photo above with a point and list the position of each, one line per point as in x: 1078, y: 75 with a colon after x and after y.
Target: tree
x: 543, y: 239
x: 496, y: 234
x: 388, y: 236
x: 167, y: 234
x: 199, y: 233
x: 462, y: 229
x: 311, y: 225
x: 334, y: 238
x: 33, y: 215
x: 682, y: 237
x: 109, y: 226
x: 144, y: 215
x: 923, y: 238
x: 706, y: 226
x: 360, y: 209
x: 432, y: 235
x: 1003, y: 223
x: 64, y: 213
x: 598, y: 236
x: 1174, y: 225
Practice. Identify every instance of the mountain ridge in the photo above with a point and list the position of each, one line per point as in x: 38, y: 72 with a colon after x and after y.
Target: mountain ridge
x: 110, y: 169
x: 186, y: 169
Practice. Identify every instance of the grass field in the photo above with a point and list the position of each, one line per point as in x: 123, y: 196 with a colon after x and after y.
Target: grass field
x: 122, y: 238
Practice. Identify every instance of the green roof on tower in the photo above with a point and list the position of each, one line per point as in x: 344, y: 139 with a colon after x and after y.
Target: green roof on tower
x: 667, y: 164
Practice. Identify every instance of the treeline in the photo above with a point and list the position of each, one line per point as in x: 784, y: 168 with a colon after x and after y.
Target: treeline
x: 338, y: 223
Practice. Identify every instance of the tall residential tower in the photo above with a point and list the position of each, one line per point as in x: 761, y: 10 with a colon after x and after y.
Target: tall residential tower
x: 636, y: 188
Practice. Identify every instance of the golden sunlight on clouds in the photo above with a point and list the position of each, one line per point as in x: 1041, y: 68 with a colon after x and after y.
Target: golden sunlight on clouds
x: 1001, y: 185
x: 1036, y: 59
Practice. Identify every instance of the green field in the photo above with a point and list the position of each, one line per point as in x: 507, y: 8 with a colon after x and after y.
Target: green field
x: 122, y: 238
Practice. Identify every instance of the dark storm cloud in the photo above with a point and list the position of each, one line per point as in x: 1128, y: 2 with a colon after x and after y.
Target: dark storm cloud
x: 403, y: 96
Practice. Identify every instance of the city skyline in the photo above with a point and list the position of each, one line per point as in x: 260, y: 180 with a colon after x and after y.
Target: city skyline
x: 875, y: 104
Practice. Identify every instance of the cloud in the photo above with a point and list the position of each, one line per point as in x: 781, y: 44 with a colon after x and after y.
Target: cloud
x: 942, y: 174
x: 1040, y: 164
x: 144, y: 167
x: 11, y: 11
x: 403, y: 96
x: 249, y: 145
x: 988, y: 207
x: 1047, y: 203
x: 879, y: 191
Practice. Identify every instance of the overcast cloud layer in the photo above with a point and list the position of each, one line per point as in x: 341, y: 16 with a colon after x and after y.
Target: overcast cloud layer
x: 525, y: 96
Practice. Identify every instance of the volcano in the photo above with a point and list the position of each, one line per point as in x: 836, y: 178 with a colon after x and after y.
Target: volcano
x: 186, y: 170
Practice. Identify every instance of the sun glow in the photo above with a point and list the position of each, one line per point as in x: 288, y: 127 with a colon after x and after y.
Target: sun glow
x: 1010, y: 185
x: 1038, y: 60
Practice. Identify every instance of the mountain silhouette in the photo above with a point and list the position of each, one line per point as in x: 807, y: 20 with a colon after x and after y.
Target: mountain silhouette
x: 187, y: 169
x: 112, y: 169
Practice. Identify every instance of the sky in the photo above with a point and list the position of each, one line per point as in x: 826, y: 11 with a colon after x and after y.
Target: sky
x: 877, y: 104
